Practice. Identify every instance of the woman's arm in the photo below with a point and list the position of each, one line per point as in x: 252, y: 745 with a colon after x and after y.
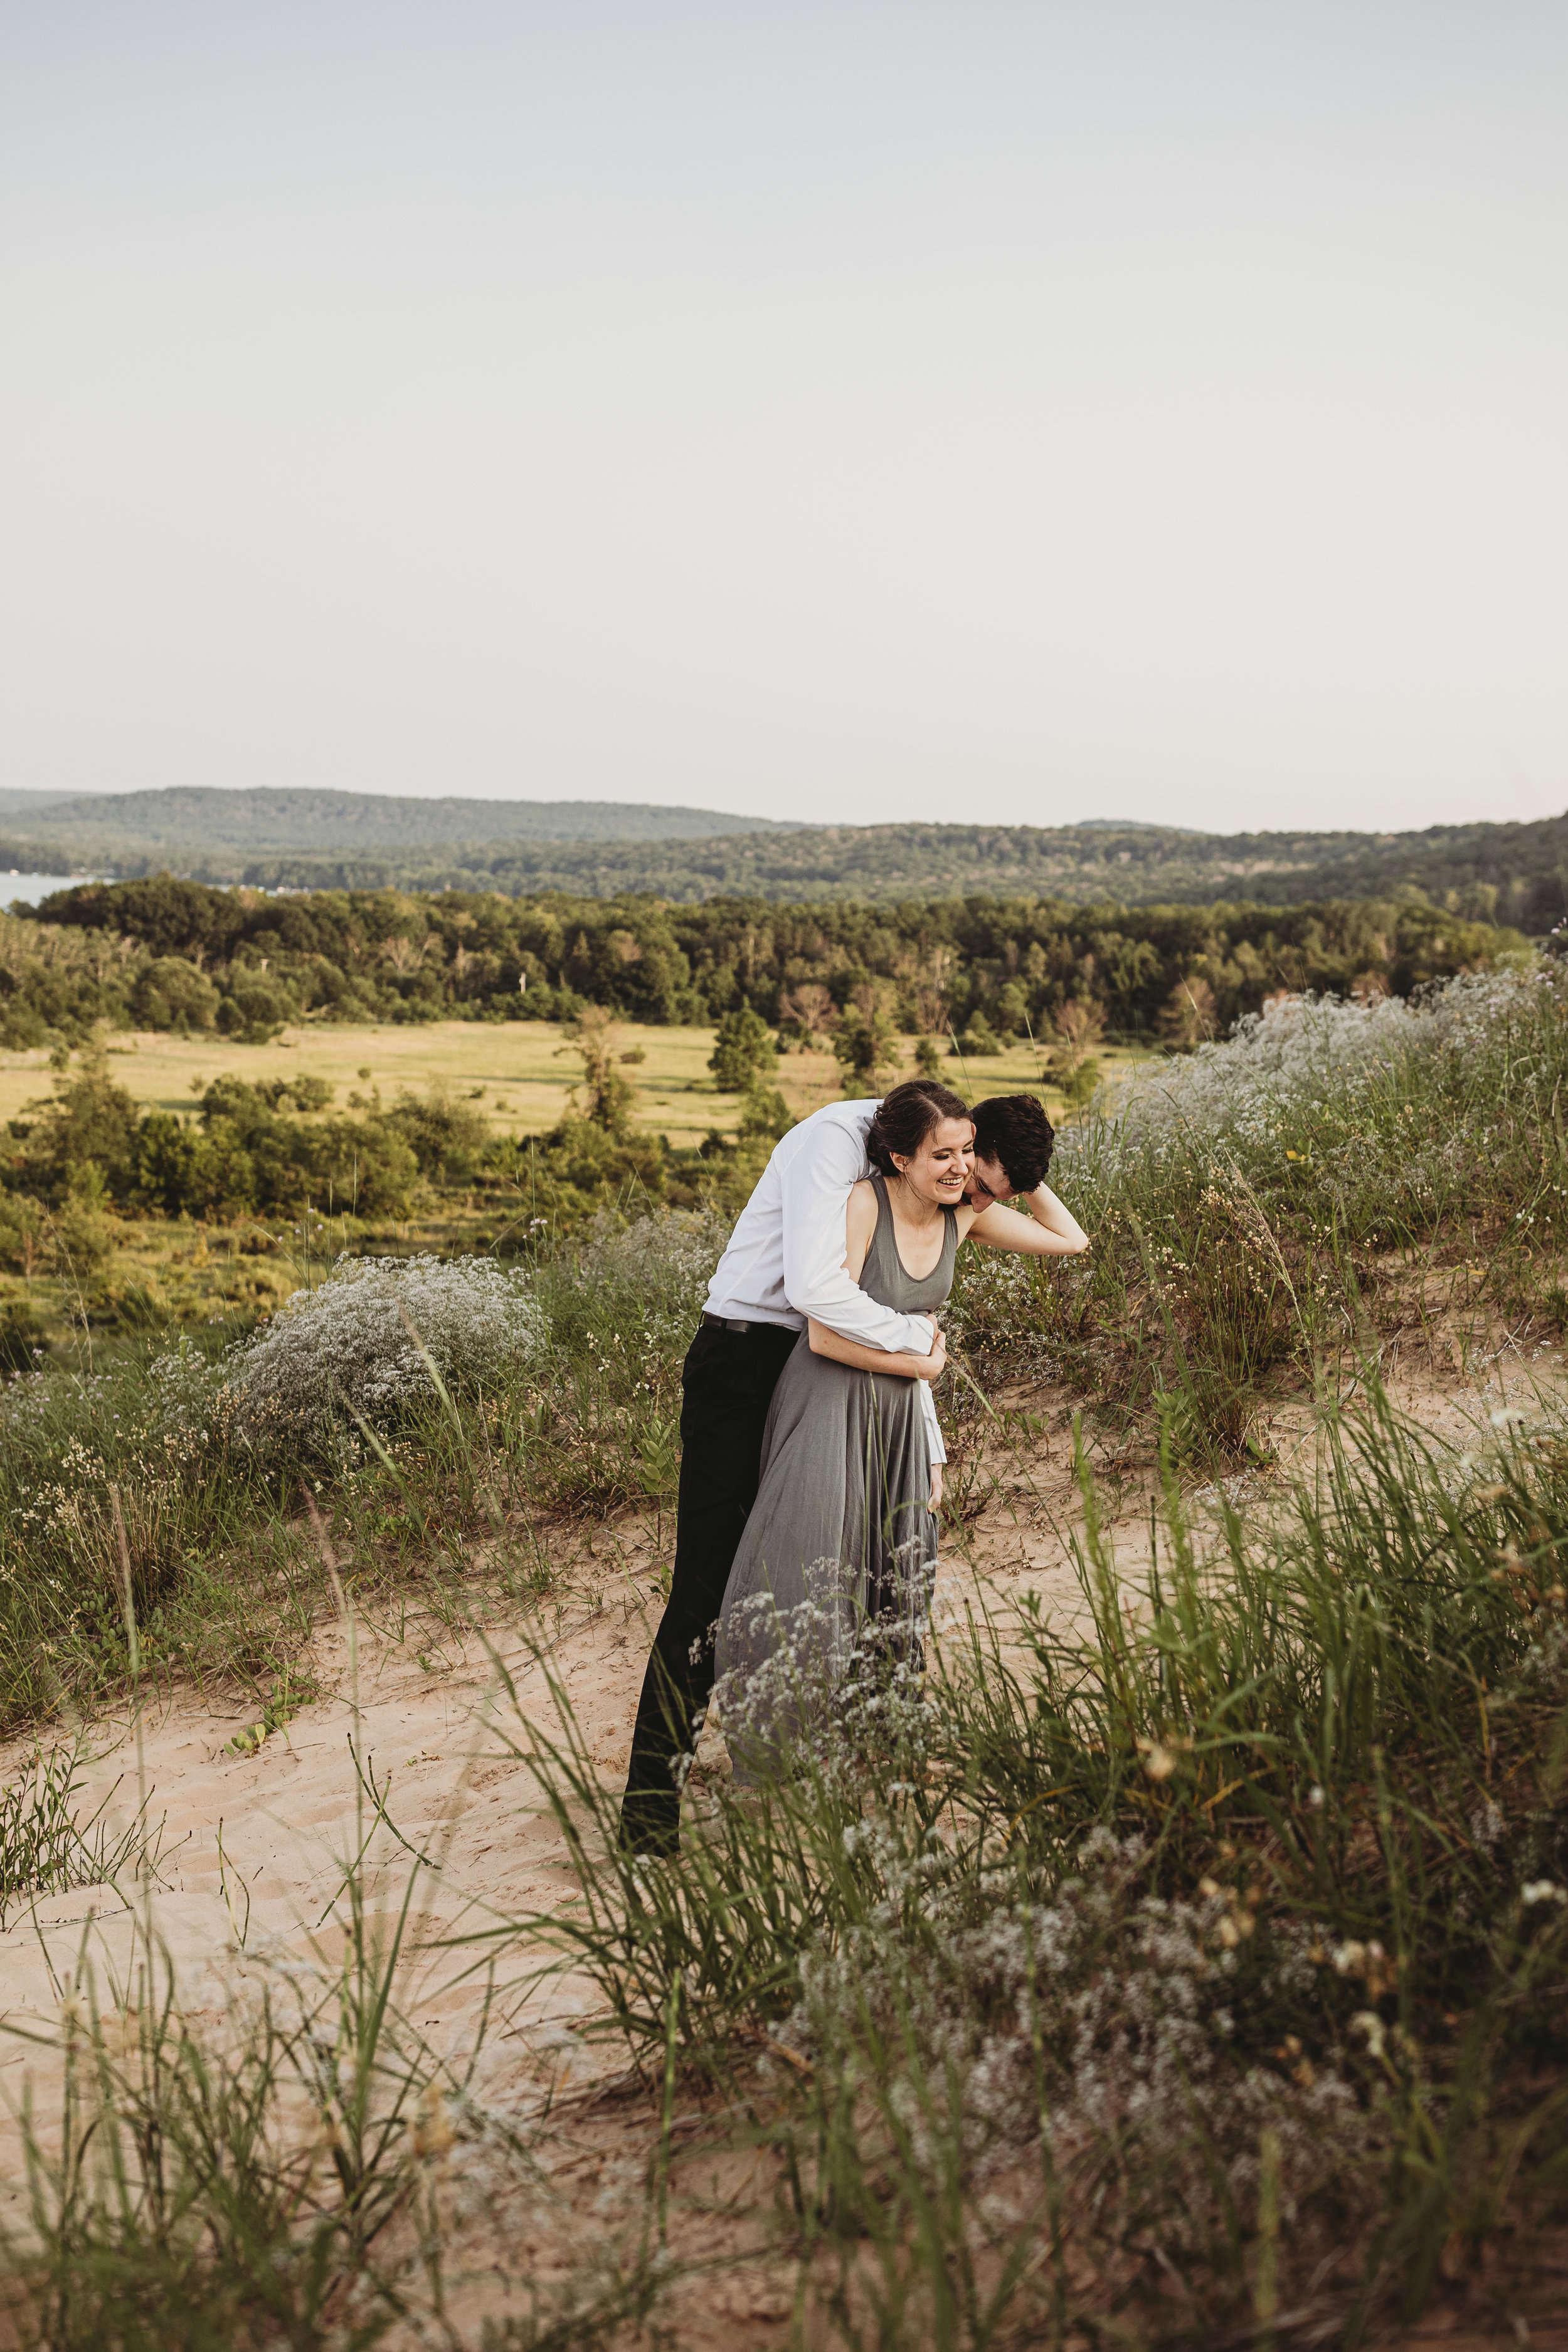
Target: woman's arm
x: 854, y: 1352
x: 1051, y: 1231
x: 860, y: 1223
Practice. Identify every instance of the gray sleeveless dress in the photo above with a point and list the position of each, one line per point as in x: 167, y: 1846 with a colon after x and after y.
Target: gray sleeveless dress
x: 840, y: 1545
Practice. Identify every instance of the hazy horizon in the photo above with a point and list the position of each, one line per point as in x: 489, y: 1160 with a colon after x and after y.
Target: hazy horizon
x: 839, y: 414
x: 8, y: 795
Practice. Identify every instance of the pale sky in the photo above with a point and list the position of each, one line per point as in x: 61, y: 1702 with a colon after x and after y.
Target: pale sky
x: 848, y: 411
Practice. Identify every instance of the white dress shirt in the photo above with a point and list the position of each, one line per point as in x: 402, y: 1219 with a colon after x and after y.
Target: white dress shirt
x: 786, y: 1258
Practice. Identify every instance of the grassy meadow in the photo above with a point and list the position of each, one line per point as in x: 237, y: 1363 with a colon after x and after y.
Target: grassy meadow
x: 1188, y: 1970
x: 519, y: 1075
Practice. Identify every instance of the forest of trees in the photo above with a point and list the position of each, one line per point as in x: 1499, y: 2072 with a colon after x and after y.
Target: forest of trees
x: 169, y: 954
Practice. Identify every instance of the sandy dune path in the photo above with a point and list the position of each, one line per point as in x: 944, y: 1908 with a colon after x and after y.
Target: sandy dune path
x: 254, y: 1846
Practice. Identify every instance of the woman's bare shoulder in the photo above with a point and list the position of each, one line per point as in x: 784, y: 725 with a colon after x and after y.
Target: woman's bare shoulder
x: 859, y: 1223
x: 862, y: 1205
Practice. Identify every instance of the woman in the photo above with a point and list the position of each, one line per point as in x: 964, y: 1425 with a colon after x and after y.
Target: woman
x: 842, y: 1536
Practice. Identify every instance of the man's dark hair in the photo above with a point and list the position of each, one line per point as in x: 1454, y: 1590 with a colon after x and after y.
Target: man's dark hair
x: 1014, y: 1128
x: 905, y: 1117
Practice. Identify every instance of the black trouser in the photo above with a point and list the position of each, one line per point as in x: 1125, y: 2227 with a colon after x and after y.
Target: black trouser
x: 728, y: 1383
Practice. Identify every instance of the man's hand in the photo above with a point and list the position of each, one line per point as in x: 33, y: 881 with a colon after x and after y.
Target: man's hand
x: 936, y: 1360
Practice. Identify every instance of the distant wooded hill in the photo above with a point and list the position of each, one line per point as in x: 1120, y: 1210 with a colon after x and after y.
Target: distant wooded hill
x: 199, y: 825
x: 314, y: 840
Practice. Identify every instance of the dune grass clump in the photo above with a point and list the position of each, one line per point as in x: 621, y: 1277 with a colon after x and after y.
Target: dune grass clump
x: 47, y: 1847
x: 1332, y: 1168
x: 1209, y: 1966
x: 621, y: 1303
x: 149, y: 1442
x: 286, y: 2174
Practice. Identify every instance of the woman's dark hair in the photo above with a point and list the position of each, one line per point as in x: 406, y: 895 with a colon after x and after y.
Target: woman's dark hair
x: 1015, y: 1130
x: 905, y: 1117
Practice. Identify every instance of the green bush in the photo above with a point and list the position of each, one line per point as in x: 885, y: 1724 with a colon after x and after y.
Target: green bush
x: 254, y: 1009
x: 744, y: 1054
x: 979, y: 1041
x: 449, y: 1139
x: 864, y: 1046
x: 170, y: 992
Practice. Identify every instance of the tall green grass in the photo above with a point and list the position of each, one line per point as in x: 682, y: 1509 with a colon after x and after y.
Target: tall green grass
x: 1203, y: 1968
x: 1332, y: 1170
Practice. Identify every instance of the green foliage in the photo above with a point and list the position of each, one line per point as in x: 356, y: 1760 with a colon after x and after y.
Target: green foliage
x: 979, y: 1042
x: 171, y: 993
x: 976, y: 965
x: 247, y: 1156
x: 254, y: 1009
x: 449, y: 1139
x: 81, y: 1232
x: 864, y: 1046
x: 590, y: 1031
x: 92, y: 1122
x: 744, y: 1054
x: 764, y: 1115
x: 23, y: 1227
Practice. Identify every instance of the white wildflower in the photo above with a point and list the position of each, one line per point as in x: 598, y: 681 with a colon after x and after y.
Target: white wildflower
x: 348, y: 1346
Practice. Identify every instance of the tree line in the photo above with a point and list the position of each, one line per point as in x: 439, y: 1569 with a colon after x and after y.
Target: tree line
x: 164, y: 954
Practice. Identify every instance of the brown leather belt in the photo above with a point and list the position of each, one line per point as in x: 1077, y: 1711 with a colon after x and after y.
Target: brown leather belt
x: 727, y: 1322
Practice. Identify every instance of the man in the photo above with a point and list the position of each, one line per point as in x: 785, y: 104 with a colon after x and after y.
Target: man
x: 784, y: 1264
x: 1013, y: 1140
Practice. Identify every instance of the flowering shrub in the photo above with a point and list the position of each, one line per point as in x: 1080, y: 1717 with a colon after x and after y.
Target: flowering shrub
x: 360, y: 1343
x: 1390, y: 1113
x: 1125, y: 2002
x: 1232, y: 1196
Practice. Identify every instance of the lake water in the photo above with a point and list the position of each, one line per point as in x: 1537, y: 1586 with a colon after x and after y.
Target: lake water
x: 26, y: 889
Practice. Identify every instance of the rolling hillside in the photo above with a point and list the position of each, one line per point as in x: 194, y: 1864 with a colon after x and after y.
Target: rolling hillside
x: 195, y: 822
x: 308, y: 840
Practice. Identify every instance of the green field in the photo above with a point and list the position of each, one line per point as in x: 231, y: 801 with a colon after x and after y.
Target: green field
x: 519, y: 1073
